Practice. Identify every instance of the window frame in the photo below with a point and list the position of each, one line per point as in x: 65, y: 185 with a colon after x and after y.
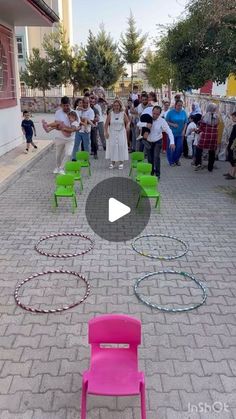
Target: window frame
x: 8, y: 92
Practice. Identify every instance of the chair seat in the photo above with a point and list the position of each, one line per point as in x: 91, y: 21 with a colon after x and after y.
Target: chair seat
x: 76, y: 176
x: 114, y: 374
x: 61, y: 191
x: 150, y: 193
x: 84, y: 163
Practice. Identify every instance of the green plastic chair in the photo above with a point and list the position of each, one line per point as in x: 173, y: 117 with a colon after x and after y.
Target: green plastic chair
x: 149, y: 190
x: 73, y: 168
x: 136, y: 157
x: 65, y: 189
x: 143, y: 169
x: 83, y: 158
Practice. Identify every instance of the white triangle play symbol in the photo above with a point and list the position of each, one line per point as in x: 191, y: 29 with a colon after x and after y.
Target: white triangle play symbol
x: 117, y: 210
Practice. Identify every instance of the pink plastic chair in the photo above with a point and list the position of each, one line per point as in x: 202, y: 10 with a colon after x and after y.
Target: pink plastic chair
x: 114, y: 370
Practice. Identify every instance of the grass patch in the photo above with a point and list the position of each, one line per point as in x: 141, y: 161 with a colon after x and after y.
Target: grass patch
x: 228, y: 190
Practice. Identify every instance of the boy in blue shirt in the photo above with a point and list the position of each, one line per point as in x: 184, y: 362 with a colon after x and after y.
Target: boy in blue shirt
x: 28, y: 129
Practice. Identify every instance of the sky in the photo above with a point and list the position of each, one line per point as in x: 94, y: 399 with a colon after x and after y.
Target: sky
x: 89, y: 14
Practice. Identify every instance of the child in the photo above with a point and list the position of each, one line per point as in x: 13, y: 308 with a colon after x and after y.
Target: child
x: 145, y: 119
x: 75, y: 122
x: 28, y: 129
x: 190, y: 134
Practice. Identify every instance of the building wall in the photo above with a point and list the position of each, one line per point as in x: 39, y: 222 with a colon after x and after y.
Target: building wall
x: 10, y: 117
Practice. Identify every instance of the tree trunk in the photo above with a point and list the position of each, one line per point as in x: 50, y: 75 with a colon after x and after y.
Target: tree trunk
x: 132, y: 76
x: 44, y: 101
x: 169, y: 90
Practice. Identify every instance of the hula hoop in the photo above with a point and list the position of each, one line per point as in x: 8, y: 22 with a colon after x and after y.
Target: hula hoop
x: 167, y: 309
x: 52, y: 310
x: 65, y: 255
x: 160, y: 257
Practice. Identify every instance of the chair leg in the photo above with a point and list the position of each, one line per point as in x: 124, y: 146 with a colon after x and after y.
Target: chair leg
x: 138, y: 201
x: 159, y: 205
x: 89, y: 171
x: 81, y: 184
x: 130, y: 171
x: 55, y: 201
x: 143, y: 401
x: 84, y: 400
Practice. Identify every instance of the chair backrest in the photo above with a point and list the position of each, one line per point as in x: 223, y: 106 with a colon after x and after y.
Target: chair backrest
x: 115, y: 328
x: 148, y: 181
x: 72, y: 166
x: 144, y: 168
x: 82, y: 155
x: 137, y: 156
x: 65, y: 180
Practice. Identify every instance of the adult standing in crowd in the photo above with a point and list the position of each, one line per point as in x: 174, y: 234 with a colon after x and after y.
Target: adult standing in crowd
x: 86, y: 114
x: 63, y: 144
x: 196, y: 112
x: 158, y: 126
x: 101, y: 105
x: 177, y: 120
x: 94, y: 128
x: 116, y: 127
x: 165, y: 110
x: 232, y: 150
x: 208, y: 130
x: 98, y: 90
x: 134, y: 94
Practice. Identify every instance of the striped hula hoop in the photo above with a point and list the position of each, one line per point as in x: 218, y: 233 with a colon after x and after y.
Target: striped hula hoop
x: 160, y: 257
x: 167, y: 309
x: 52, y: 310
x: 65, y: 255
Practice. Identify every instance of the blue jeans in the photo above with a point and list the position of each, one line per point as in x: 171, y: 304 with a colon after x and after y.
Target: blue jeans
x: 79, y: 137
x: 174, y: 156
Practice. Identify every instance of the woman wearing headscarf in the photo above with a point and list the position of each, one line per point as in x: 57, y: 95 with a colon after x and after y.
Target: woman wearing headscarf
x: 208, y: 130
x: 196, y: 112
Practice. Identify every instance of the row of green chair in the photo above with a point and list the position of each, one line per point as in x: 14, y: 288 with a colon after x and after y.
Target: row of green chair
x: 65, y: 183
x: 148, y: 183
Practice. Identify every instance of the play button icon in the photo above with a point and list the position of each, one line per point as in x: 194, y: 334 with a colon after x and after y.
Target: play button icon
x: 111, y: 209
x: 117, y: 210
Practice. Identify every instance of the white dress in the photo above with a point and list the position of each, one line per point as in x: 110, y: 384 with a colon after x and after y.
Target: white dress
x: 116, y: 145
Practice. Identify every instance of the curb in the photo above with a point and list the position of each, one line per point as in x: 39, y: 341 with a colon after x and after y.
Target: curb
x: 21, y: 170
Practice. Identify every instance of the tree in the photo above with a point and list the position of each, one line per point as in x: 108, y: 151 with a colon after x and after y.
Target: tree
x: 132, y: 45
x: 68, y: 64
x: 37, y: 74
x: 103, y: 58
x: 202, y: 46
x: 159, y: 70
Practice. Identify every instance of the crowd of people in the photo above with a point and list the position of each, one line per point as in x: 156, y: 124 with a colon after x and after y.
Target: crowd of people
x: 142, y: 125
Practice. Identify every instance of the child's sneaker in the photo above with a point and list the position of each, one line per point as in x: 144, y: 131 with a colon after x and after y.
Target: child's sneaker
x: 26, y: 151
x: 35, y: 146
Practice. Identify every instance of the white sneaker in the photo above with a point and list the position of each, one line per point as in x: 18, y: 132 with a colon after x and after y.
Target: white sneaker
x: 57, y: 170
x: 62, y: 172
x: 111, y: 166
x: 121, y: 166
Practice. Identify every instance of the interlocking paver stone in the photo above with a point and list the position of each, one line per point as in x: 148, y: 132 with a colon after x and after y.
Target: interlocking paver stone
x: 188, y: 358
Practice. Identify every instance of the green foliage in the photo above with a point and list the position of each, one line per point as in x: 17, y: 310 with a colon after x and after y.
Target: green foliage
x: 37, y: 74
x: 103, y: 58
x: 203, y: 46
x: 159, y: 70
x: 132, y: 44
x: 68, y: 65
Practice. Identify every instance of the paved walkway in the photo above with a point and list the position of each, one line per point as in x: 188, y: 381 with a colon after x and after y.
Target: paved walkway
x: 189, y: 358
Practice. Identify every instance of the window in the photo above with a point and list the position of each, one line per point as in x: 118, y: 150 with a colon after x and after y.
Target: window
x: 19, y: 41
x: 7, y: 73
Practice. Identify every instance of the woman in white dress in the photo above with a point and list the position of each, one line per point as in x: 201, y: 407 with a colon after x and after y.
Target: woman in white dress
x: 116, y: 126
